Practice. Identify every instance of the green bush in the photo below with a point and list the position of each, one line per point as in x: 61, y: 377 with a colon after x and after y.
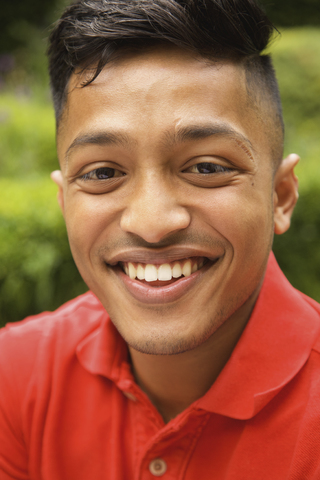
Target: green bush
x: 298, y: 250
x: 27, y: 146
x: 36, y: 268
x: 296, y: 57
x: 293, y: 12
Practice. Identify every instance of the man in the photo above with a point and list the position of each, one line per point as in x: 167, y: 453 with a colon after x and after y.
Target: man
x: 172, y: 184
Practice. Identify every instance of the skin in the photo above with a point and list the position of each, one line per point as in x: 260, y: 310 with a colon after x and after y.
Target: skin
x: 159, y: 207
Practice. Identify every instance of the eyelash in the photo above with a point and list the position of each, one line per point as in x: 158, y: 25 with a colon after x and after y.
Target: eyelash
x: 208, y: 166
x: 112, y: 171
x: 89, y: 175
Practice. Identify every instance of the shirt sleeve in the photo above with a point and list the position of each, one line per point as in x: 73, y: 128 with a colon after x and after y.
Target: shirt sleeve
x: 13, y: 452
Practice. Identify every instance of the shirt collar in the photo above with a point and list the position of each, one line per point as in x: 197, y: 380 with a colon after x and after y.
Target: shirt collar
x: 103, y: 351
x: 274, y: 346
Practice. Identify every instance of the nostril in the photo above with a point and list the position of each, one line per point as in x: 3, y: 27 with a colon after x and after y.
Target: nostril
x: 153, y: 225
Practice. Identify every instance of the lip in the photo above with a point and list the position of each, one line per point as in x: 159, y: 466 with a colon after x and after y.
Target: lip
x: 149, y: 295
x: 161, y: 255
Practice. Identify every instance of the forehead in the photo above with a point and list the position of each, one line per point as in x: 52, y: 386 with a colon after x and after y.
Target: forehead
x: 160, y: 90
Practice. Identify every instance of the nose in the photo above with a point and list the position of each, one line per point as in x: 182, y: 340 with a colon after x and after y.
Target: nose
x: 153, y: 211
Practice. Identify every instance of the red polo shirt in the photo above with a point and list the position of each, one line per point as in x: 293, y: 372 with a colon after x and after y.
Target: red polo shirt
x: 70, y: 409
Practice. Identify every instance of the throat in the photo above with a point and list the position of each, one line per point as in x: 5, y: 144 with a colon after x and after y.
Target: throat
x: 173, y: 382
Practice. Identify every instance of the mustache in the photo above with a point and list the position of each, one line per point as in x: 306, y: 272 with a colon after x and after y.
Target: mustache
x: 179, y: 239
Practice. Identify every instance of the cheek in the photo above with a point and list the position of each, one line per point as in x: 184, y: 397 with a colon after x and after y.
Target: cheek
x: 242, y: 216
x: 87, y: 219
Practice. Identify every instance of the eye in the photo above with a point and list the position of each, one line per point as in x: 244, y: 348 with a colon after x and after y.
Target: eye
x: 207, y: 168
x: 102, y: 173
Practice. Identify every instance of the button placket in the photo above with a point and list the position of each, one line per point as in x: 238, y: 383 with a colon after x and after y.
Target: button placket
x: 175, y: 443
x: 158, y: 467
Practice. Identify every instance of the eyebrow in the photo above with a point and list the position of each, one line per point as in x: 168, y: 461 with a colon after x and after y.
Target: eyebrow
x: 99, y: 138
x: 198, y: 132
x: 182, y: 134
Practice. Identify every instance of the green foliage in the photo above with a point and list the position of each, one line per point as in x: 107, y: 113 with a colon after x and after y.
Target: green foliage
x: 36, y: 269
x: 296, y: 57
x: 27, y: 144
x: 298, y: 250
x: 289, y: 13
x: 24, y: 29
x: 20, y: 18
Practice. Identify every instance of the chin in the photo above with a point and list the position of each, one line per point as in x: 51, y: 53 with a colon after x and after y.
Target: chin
x: 164, y: 343
x: 163, y: 347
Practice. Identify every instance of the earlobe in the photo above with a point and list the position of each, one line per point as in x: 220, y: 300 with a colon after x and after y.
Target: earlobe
x: 285, y: 193
x: 56, y: 176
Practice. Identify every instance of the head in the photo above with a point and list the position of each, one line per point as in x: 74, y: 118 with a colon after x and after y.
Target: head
x: 170, y: 135
x: 92, y: 33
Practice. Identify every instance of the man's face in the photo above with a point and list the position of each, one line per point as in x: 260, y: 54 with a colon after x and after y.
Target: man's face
x: 167, y: 171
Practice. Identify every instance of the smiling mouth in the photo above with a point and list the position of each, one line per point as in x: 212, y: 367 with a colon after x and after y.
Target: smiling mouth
x: 163, y: 274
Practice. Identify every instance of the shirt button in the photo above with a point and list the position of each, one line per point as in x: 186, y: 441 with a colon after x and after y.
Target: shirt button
x: 158, y: 467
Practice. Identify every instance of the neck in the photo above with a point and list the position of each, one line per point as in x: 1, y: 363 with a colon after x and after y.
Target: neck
x: 173, y: 382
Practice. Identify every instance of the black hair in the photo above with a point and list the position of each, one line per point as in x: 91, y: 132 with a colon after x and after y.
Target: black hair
x: 90, y: 32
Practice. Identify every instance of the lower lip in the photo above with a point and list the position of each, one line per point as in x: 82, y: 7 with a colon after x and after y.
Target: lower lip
x: 147, y: 294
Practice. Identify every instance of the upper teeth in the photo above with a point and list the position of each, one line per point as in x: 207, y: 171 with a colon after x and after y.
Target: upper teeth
x: 164, y: 272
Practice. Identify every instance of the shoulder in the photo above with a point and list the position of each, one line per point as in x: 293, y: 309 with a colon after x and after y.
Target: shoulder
x: 280, y: 297
x: 34, y: 355
x: 80, y: 312
x: 309, y: 301
x: 38, y: 337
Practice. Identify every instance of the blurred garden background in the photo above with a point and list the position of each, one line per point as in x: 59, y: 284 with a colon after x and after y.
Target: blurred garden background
x: 36, y: 269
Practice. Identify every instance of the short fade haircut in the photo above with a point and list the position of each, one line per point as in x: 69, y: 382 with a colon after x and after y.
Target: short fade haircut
x: 91, y: 32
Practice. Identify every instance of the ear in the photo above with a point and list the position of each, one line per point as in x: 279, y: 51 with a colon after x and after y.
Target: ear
x: 285, y: 193
x: 56, y: 176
